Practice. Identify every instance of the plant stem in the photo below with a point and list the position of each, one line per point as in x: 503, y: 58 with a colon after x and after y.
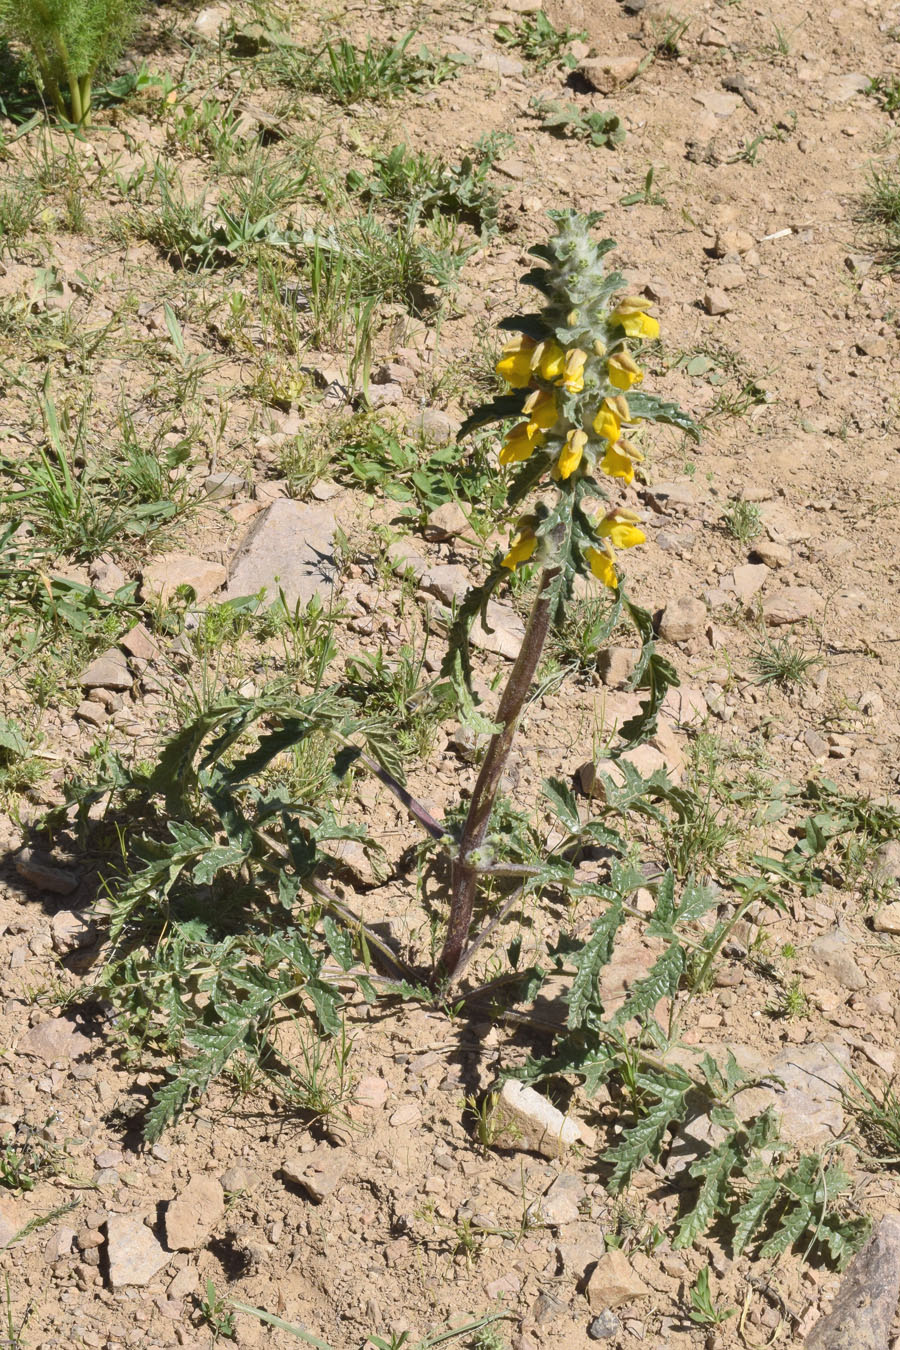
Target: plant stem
x: 464, y: 869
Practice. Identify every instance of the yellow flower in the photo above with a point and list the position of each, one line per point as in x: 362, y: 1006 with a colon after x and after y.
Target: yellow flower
x: 541, y: 408
x: 571, y: 453
x: 620, y: 527
x: 548, y: 360
x: 623, y: 372
x: 514, y: 365
x: 629, y: 314
x: 521, y: 547
x: 573, y: 372
x: 617, y: 465
x: 602, y: 567
x: 619, y: 405
x: 606, y: 423
x: 520, y: 442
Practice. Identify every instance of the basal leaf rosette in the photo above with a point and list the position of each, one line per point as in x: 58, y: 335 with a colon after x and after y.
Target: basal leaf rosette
x: 575, y: 385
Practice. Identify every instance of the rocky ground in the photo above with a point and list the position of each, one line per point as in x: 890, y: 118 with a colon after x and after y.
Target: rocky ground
x: 779, y: 330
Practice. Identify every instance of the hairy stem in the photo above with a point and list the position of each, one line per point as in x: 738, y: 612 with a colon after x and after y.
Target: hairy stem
x: 464, y: 867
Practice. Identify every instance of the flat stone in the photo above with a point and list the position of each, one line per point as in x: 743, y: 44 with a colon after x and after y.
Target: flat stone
x: 109, y: 671
x: 139, y: 644
x: 291, y: 545
x: 841, y: 88
x: 716, y: 301
x: 809, y: 1102
x: 683, y: 618
x: 887, y: 920
x: 748, y: 579
x: 726, y: 277
x: 772, y: 554
x: 607, y: 73
x: 833, y: 953
x: 616, y: 665
x: 447, y: 581
x: 237, y: 1178
x: 887, y: 862
x: 445, y: 522
x: 371, y: 1092
x: 45, y: 876
x: 526, y: 1120
x: 866, y: 1300
x: 560, y: 1203
x: 815, y: 744
x: 194, y: 1213
x: 12, y: 1219
x: 211, y: 20
x: 133, y: 1252
x: 792, y: 604
x: 613, y: 1282
x: 54, y: 1039
x: 220, y: 487
x: 435, y: 426
x: 93, y: 713
x: 318, y: 1173
x: 507, y: 633
x: 70, y: 931
x: 385, y: 395
x: 163, y: 577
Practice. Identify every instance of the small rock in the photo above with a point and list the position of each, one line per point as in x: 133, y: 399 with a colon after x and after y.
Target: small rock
x: 866, y: 1300
x: 527, y: 1120
x: 220, y: 486
x: 291, y: 545
x: 445, y: 522
x: 60, y: 1245
x: 435, y: 426
x: 616, y: 665
x: 109, y: 671
x: 506, y: 631
x: 447, y: 581
x: 70, y: 932
x: 607, y: 73
x: 725, y: 277
x: 93, y: 713
x: 192, y: 1215
x: 748, y: 579
x: 54, y: 1039
x: 133, y: 1252
x: 886, y: 866
x: 318, y: 1173
x: 139, y: 644
x: 12, y: 1220
x: 816, y: 744
x: 683, y: 618
x: 792, y: 604
x: 716, y: 301
x: 560, y: 1204
x: 511, y: 167
x: 210, y: 21
x: 773, y: 555
x: 45, y: 876
x: 604, y: 1327
x: 887, y: 920
x: 613, y: 1283
x: 163, y: 577
x: 371, y: 1091
x: 833, y: 953
x: 106, y: 573
x: 841, y: 88
x: 733, y: 241
x: 385, y: 395
x: 237, y: 1178
x: 870, y: 702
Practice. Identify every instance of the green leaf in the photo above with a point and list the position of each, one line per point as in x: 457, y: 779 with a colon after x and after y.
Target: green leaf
x: 499, y: 408
x: 751, y: 1215
x: 11, y: 737
x: 223, y: 855
x: 327, y: 1003
x: 339, y: 941
x: 562, y: 800
x: 716, y: 1169
x: 594, y: 955
x: 644, y: 1140
x: 652, y: 409
x: 661, y: 982
x: 792, y: 1227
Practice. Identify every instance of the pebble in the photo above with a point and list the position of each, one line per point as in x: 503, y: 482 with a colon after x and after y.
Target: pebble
x: 289, y: 545
x: 886, y: 866
x: 716, y: 301
x: 682, y: 619
x: 866, y: 1300
x: 772, y: 554
x: 45, y: 876
x: 109, y: 671
x: 445, y: 522
x: 526, y: 1120
x: 607, y: 73
x: 194, y: 1213
x: 318, y: 1173
x: 833, y: 953
x: 887, y: 920
x: 163, y: 577
x: 604, y: 1327
x: 133, y: 1252
x: 613, y: 1282
x: 55, y: 1039
x: 792, y: 604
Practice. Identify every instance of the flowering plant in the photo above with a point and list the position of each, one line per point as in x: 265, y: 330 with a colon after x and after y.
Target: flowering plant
x: 574, y: 382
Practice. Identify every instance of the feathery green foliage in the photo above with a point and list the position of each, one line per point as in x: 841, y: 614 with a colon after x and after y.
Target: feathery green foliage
x: 67, y: 42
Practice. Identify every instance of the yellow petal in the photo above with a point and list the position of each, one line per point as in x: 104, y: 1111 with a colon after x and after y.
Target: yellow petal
x: 573, y: 371
x: 514, y: 365
x: 606, y: 424
x: 620, y: 531
x: 541, y: 408
x: 571, y: 454
x: 617, y: 465
x: 548, y: 359
x: 623, y: 372
x: 521, y: 547
x: 602, y: 567
x: 520, y: 442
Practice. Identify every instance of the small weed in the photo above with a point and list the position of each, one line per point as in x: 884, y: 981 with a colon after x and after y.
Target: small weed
x: 647, y: 196
x: 583, y: 634
x: 562, y: 119
x: 704, y: 1310
x: 378, y: 74
x: 881, y: 210
x: 215, y: 1313
x: 877, y: 1114
x: 779, y: 661
x: 885, y: 89
x: 392, y: 690
x: 792, y: 1002
x: 485, y: 1119
x: 539, y: 42
x: 743, y: 520
x: 667, y: 34
x: 19, y: 208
